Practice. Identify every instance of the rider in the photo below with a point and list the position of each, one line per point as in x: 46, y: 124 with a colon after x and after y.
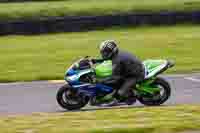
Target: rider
x: 126, y: 67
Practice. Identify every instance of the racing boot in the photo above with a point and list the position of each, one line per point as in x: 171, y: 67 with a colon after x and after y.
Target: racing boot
x: 110, y: 99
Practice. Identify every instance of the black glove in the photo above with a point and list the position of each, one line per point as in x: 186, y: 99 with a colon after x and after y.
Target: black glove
x: 97, y: 61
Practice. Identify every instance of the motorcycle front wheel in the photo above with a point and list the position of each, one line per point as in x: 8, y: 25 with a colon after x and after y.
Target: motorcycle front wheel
x: 68, y: 99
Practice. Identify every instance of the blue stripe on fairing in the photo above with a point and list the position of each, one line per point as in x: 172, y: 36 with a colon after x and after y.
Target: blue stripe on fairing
x: 71, y: 72
x: 104, y: 88
x: 88, y: 88
x: 93, y: 88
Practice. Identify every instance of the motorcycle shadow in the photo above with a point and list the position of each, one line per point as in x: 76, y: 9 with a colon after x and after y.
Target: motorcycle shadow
x: 96, y: 108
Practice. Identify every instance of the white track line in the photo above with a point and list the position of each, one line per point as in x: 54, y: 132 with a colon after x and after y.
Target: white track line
x: 56, y: 81
x: 192, y: 79
x: 12, y: 83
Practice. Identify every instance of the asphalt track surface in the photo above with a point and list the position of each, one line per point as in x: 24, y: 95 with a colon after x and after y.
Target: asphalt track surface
x: 40, y: 96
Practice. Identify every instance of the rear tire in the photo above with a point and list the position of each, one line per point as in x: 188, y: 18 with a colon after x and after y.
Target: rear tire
x: 63, y: 99
x: 162, y: 98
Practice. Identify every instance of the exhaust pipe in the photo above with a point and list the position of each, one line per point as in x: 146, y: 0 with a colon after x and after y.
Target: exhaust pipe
x: 171, y: 63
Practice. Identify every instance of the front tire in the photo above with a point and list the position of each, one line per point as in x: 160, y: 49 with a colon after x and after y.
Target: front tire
x: 160, y: 98
x: 68, y: 99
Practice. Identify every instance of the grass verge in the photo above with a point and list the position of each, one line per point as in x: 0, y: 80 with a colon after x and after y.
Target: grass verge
x: 47, y: 56
x: 18, y: 1
x: 36, y: 10
x: 169, y: 119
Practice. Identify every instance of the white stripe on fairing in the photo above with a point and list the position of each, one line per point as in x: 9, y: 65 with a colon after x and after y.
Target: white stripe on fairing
x: 156, y: 70
x: 80, y: 85
x: 192, y: 79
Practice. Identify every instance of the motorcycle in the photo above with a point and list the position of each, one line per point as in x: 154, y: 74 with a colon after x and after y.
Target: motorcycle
x: 81, y: 87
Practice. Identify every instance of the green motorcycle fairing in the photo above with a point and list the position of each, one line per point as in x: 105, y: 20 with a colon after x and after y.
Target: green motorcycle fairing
x: 104, y: 70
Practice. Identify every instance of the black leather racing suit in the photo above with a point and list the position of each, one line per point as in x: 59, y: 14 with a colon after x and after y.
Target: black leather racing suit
x: 127, y: 70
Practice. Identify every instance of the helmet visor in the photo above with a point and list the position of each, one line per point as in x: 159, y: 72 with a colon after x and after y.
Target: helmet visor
x: 105, y: 53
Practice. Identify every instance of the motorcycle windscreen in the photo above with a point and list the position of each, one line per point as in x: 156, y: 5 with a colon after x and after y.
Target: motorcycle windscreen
x: 104, y: 69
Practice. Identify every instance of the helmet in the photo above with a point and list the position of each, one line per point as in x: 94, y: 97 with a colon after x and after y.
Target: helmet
x: 108, y: 49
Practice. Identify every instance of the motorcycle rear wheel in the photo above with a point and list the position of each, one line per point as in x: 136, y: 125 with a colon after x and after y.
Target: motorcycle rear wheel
x: 158, y: 99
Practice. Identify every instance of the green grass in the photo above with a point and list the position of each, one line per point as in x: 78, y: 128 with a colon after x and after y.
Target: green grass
x: 35, y: 10
x: 47, y: 56
x: 18, y: 1
x: 169, y: 119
